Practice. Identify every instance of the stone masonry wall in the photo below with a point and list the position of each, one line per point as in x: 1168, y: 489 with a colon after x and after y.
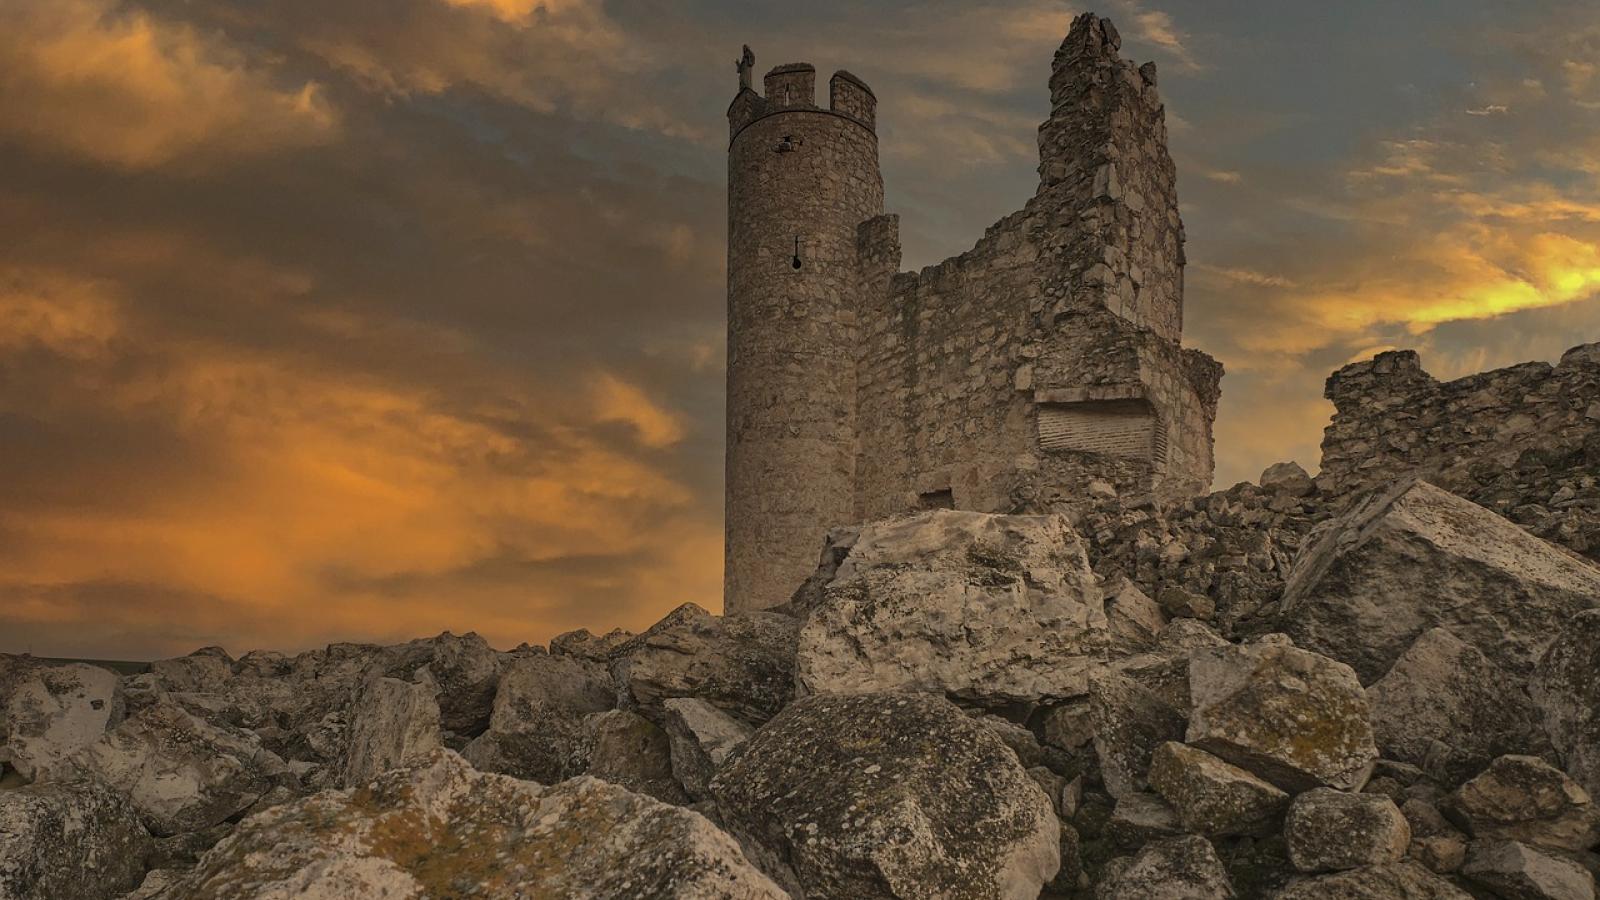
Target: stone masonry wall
x: 1071, y: 305
x: 1523, y: 441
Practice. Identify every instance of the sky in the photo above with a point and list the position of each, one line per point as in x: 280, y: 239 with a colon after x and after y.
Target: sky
x: 367, y: 319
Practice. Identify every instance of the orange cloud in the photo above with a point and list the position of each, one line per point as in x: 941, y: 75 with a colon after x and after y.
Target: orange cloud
x: 134, y: 91
x: 337, y: 504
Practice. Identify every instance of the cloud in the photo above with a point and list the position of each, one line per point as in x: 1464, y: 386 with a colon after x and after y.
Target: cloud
x: 132, y: 90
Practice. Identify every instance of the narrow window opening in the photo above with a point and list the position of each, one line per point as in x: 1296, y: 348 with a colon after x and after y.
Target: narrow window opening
x: 795, y: 262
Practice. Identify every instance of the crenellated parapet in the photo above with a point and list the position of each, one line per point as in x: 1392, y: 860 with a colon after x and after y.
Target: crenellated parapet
x: 793, y: 87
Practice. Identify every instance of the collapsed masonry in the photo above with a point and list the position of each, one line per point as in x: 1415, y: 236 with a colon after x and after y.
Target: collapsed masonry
x: 1004, y: 379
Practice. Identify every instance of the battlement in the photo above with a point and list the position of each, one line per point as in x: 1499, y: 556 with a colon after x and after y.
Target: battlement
x: 793, y: 87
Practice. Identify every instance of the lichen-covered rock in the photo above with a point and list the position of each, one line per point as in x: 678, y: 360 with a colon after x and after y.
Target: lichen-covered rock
x: 1566, y: 687
x: 742, y: 664
x: 1130, y: 722
x: 442, y: 829
x: 1330, y: 830
x: 888, y: 795
x: 1394, y: 881
x: 1179, y: 868
x: 1517, y: 871
x: 1295, y: 718
x: 1417, y: 557
x: 69, y: 841
x: 1523, y: 798
x: 1446, y: 707
x: 537, y: 729
x: 181, y: 772
x: 701, y: 738
x: 626, y: 748
x: 1140, y: 818
x: 392, y: 723
x: 1212, y: 797
x: 984, y: 607
x: 55, y: 710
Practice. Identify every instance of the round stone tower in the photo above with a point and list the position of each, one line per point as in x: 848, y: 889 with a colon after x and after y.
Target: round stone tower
x: 800, y: 179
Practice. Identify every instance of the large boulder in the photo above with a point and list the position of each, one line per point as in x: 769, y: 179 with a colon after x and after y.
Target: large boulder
x: 1446, y: 707
x: 983, y: 607
x: 1394, y: 881
x: 1417, y: 557
x: 1178, y: 868
x: 442, y: 829
x: 69, y: 841
x: 1516, y: 871
x: 1212, y: 797
x: 1331, y: 830
x: 626, y: 748
x: 701, y: 739
x: 392, y: 723
x: 1522, y: 798
x: 1566, y: 687
x: 1130, y: 721
x: 1295, y: 718
x: 537, y: 729
x: 742, y: 664
x: 465, y: 668
x: 888, y: 795
x: 54, y: 711
x: 181, y: 772
x: 205, y: 671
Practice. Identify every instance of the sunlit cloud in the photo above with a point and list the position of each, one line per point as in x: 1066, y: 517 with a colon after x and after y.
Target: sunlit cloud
x: 124, y: 87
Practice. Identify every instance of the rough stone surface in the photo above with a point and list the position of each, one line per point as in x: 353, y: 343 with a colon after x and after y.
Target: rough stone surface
x: 988, y: 608
x: 1566, y: 687
x: 442, y: 829
x: 1330, y: 830
x: 180, y: 772
x: 1010, y: 378
x: 537, y: 730
x: 888, y: 795
x: 1180, y: 868
x: 741, y: 664
x: 1287, y: 478
x: 69, y: 842
x: 1417, y: 557
x: 54, y: 710
x: 392, y: 723
x: 1395, y: 881
x: 1134, y: 622
x: 1446, y: 707
x: 1522, y: 798
x: 465, y: 669
x: 626, y: 748
x: 701, y: 738
x: 1297, y: 719
x: 1212, y: 797
x: 1516, y: 871
x: 1130, y: 722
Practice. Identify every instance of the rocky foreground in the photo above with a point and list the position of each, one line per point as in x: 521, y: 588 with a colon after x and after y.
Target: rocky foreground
x: 1269, y: 692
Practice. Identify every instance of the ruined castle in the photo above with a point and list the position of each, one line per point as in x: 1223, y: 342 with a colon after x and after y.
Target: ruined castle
x: 1005, y: 379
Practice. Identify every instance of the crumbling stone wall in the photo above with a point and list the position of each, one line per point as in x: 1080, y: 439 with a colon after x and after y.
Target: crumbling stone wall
x: 1008, y: 377
x: 1523, y: 441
